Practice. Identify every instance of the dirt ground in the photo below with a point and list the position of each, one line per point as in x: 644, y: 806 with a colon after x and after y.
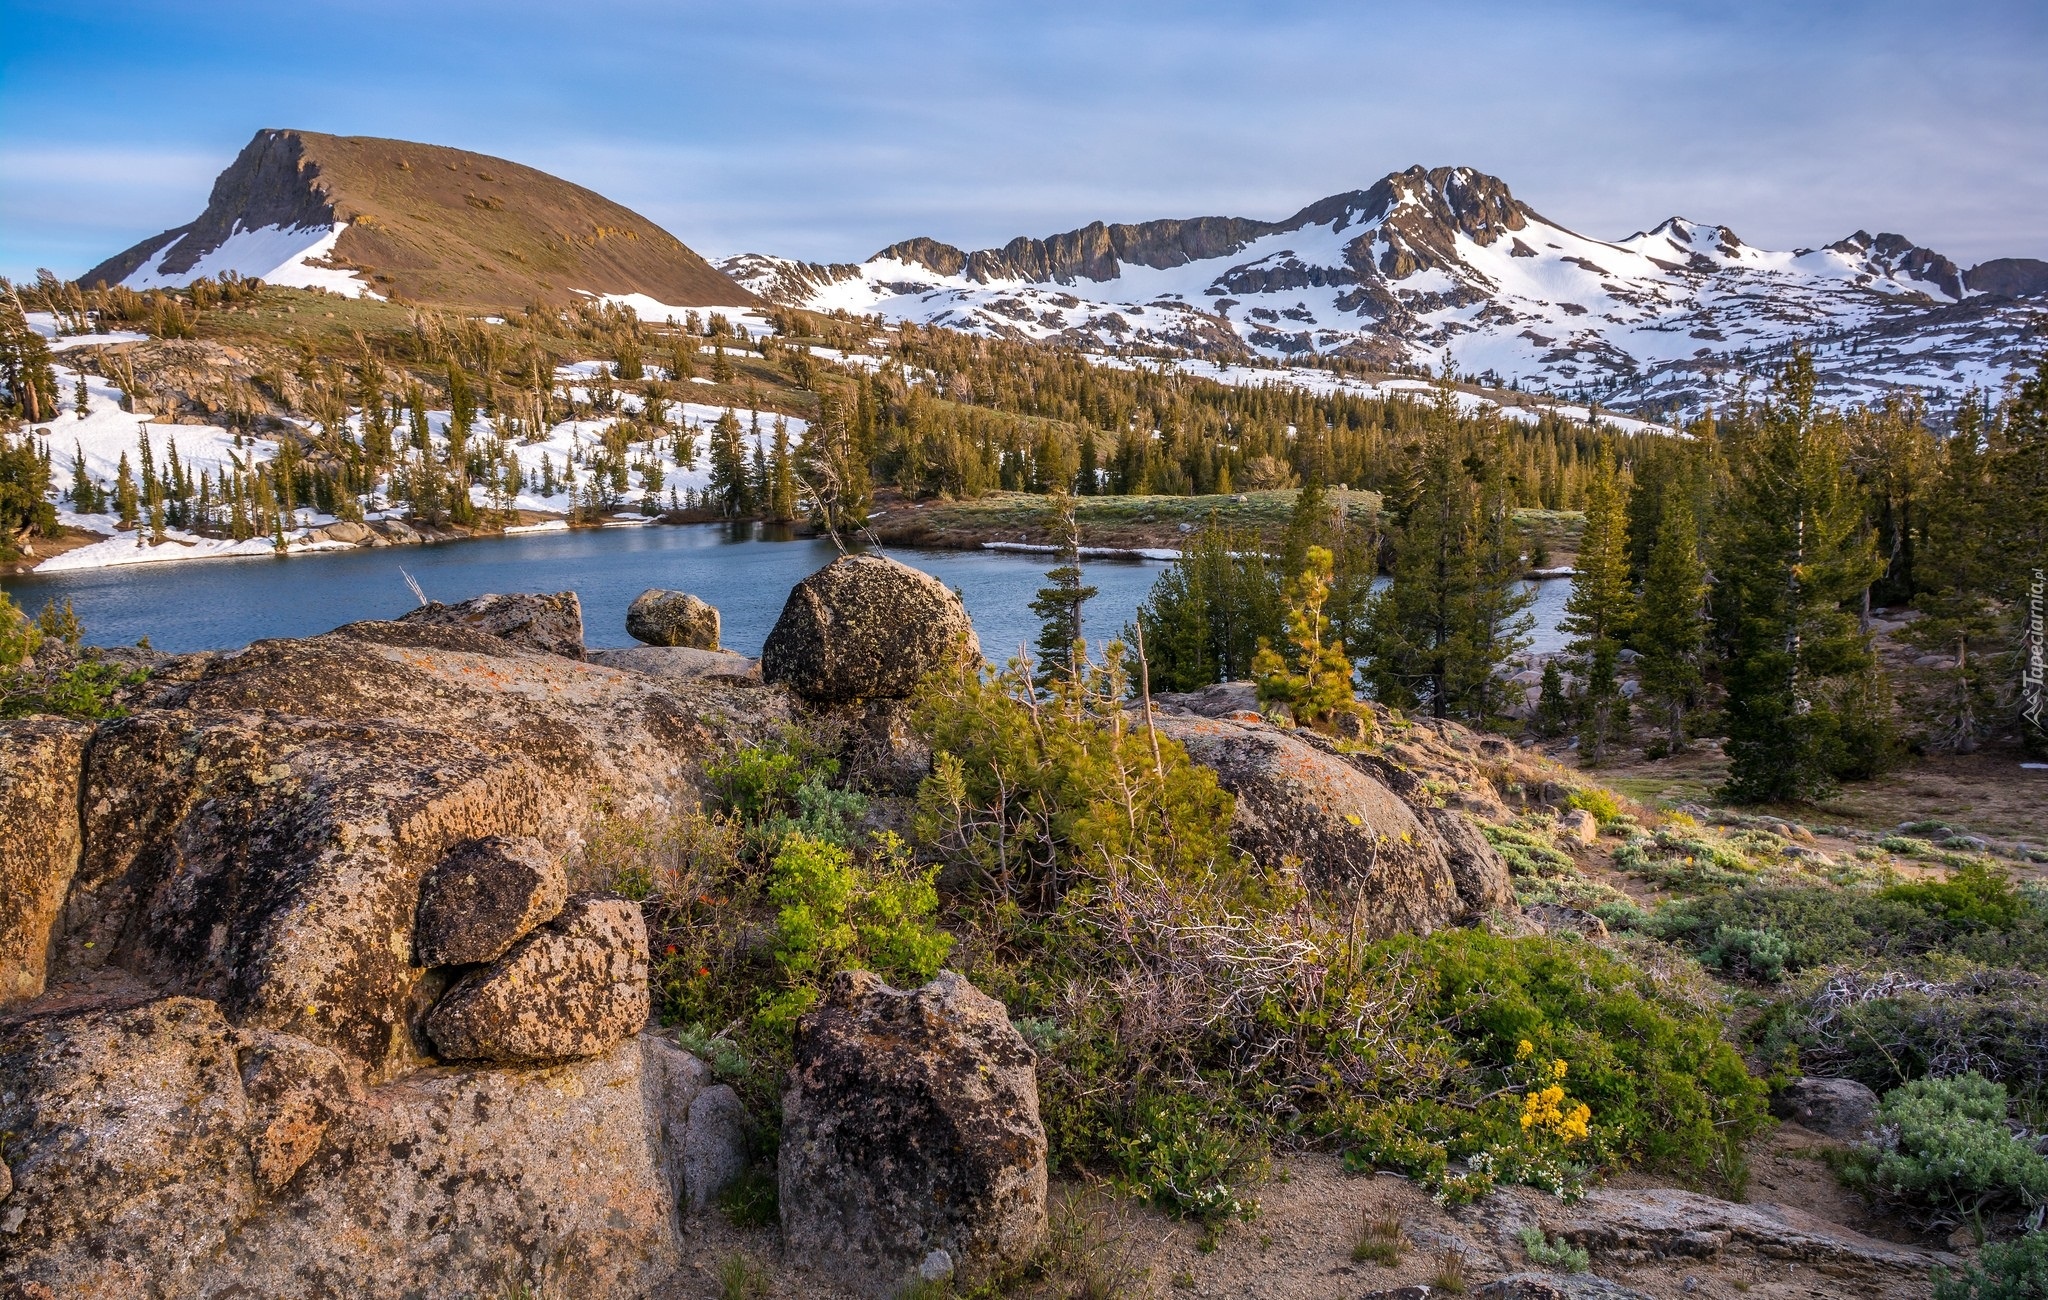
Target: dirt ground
x: 1299, y: 1247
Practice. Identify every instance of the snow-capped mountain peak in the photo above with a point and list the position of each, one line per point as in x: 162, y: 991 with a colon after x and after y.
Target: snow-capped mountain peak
x: 1430, y: 264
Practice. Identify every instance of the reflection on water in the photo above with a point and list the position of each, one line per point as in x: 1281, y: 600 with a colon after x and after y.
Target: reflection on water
x: 745, y: 570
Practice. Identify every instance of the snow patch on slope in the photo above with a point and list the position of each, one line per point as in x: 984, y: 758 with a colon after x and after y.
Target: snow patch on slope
x: 274, y: 254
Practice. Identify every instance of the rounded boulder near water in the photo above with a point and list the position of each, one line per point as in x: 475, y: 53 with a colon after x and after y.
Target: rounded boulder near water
x: 865, y: 628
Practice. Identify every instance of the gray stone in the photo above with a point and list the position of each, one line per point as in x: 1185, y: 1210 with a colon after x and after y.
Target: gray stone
x: 865, y: 627
x: 1477, y: 868
x: 680, y: 663
x: 672, y: 618
x: 1637, y: 1226
x: 910, y: 1126
x: 1580, y: 825
x: 42, y: 762
x: 574, y: 987
x: 714, y: 1151
x: 1840, y: 1108
x: 1344, y: 829
x: 483, y: 898
x: 551, y: 623
x: 1554, y: 1286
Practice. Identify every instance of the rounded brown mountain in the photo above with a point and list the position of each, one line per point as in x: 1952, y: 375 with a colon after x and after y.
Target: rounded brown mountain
x: 437, y: 225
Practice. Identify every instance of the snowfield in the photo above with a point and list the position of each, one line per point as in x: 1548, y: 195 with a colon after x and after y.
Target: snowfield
x: 1446, y: 267
x: 273, y: 254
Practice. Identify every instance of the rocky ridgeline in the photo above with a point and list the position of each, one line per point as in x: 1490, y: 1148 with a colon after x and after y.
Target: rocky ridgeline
x: 300, y: 994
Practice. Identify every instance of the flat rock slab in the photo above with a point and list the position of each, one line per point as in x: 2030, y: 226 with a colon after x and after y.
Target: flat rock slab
x: 1636, y: 1226
x: 574, y: 987
x: 680, y: 663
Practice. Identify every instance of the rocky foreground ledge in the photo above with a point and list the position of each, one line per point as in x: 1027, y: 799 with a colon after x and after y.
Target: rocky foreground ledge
x: 301, y: 992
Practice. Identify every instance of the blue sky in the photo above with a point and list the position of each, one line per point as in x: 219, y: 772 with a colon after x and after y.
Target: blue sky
x: 826, y: 130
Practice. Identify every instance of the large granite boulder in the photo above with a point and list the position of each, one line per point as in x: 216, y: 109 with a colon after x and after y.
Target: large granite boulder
x: 911, y: 1143
x: 574, y: 987
x: 865, y: 627
x: 42, y: 761
x: 483, y: 898
x: 1342, y: 830
x: 260, y: 837
x: 550, y: 622
x: 672, y: 618
x: 159, y: 1153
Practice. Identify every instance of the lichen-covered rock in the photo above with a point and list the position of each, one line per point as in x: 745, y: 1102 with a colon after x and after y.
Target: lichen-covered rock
x: 714, y: 1151
x: 574, y: 987
x: 42, y: 761
x: 126, y: 1135
x: 550, y: 622
x: 910, y: 1133
x: 672, y: 618
x: 295, y: 1090
x: 1477, y: 868
x: 1841, y: 1108
x: 145, y: 1166
x: 1638, y: 1225
x: 1344, y: 830
x: 484, y: 897
x: 865, y: 627
x: 1579, y: 825
x: 258, y: 834
x: 680, y: 663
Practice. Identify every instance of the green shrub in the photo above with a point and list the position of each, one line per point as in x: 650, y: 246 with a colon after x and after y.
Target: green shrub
x: 1659, y: 1085
x: 833, y: 913
x: 1527, y: 853
x: 1949, y: 1149
x: 1884, y: 1028
x: 2006, y: 1270
x: 784, y: 788
x: 1184, y: 1162
x: 1597, y: 801
x: 1559, y: 1254
x: 1973, y: 915
x: 1741, y: 950
x: 78, y: 685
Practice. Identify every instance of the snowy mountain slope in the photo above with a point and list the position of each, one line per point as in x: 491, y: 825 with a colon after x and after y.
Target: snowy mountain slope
x: 356, y: 215
x: 1446, y: 264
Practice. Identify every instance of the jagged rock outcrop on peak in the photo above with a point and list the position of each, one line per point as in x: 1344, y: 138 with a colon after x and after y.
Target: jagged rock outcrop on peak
x: 911, y: 1143
x: 484, y: 897
x: 672, y: 618
x: 42, y: 762
x: 573, y: 987
x: 550, y: 623
x: 2009, y: 277
x: 865, y: 627
x: 423, y: 222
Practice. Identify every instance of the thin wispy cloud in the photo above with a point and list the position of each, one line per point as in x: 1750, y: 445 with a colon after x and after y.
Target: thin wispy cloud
x: 828, y: 130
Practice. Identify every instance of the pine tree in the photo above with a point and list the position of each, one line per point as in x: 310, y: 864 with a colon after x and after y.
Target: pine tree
x: 85, y: 494
x: 1792, y: 552
x: 125, y: 500
x: 81, y: 397
x: 2018, y: 489
x: 1454, y: 613
x: 1317, y: 686
x: 782, y: 477
x: 1204, y: 617
x: 1671, y: 627
x: 729, y: 466
x: 1600, y: 608
x: 1059, y: 601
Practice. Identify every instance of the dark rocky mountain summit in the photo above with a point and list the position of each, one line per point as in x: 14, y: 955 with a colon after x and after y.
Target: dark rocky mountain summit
x: 435, y: 225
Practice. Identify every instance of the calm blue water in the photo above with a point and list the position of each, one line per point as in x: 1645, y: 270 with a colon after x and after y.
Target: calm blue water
x: 224, y: 604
